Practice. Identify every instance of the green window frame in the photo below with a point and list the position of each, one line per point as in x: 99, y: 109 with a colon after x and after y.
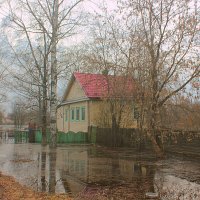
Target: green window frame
x: 72, y: 114
x: 83, y: 113
x: 77, y: 113
x: 66, y: 115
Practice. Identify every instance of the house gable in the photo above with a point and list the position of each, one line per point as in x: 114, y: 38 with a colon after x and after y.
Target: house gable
x: 85, y: 85
x: 74, y: 91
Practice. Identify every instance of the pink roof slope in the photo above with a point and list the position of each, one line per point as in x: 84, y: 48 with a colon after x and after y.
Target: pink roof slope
x: 99, y: 85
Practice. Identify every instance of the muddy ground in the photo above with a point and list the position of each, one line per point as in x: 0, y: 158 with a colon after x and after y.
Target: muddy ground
x: 10, y: 189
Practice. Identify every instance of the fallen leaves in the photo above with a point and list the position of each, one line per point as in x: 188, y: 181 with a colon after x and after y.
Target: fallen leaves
x: 12, y: 190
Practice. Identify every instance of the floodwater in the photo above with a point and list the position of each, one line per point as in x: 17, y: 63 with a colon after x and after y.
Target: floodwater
x: 87, y: 172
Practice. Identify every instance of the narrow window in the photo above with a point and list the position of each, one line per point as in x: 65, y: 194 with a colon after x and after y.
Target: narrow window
x: 77, y: 114
x: 72, y: 114
x: 83, y: 113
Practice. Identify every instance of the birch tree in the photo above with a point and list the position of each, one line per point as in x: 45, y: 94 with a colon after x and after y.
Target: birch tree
x: 54, y: 20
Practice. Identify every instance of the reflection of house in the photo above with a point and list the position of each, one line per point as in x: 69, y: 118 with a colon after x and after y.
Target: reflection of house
x: 88, y: 99
x: 81, y: 168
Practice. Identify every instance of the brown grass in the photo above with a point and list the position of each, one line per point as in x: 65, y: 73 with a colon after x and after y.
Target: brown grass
x: 10, y: 189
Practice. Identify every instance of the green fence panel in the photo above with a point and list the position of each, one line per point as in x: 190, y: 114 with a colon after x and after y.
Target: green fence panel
x: 70, y: 137
x: 61, y: 137
x: 76, y: 138
x: 84, y: 137
x: 21, y: 136
x: 38, y: 136
x: 65, y: 138
x: 80, y: 137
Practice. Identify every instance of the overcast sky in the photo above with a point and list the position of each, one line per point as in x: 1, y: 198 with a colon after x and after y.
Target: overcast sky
x: 91, y: 6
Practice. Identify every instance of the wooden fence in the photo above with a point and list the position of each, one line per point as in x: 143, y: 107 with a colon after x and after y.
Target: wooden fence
x: 70, y: 137
x: 122, y: 138
x: 133, y: 138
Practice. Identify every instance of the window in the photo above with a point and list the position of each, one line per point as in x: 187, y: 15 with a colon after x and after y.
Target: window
x: 77, y: 114
x: 66, y: 115
x: 72, y: 114
x: 83, y: 113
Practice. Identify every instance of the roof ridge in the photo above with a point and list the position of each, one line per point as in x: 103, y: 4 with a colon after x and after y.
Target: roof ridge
x: 108, y: 75
x: 85, y: 73
x: 96, y: 85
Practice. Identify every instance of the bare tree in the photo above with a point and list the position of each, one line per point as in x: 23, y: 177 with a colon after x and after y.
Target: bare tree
x: 19, y: 113
x: 53, y: 21
x: 181, y: 113
x: 3, y: 68
x: 167, y: 31
x: 103, y: 55
x: 155, y: 42
x: 31, y: 71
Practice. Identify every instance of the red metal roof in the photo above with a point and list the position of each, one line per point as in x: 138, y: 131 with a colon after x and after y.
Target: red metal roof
x: 99, y: 85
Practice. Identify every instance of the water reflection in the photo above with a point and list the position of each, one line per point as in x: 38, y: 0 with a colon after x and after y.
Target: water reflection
x: 80, y: 169
x: 75, y: 169
x: 71, y: 170
x: 47, y: 170
x: 43, y: 169
x: 52, y: 170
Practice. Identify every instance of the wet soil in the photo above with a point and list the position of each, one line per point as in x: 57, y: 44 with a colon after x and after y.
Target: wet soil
x: 10, y: 189
x: 115, y: 192
x: 186, y: 151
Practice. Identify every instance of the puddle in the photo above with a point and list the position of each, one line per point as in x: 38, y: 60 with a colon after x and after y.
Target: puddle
x: 85, y: 172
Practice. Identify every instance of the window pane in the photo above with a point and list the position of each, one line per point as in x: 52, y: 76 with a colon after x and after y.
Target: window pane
x: 72, y: 114
x: 77, y: 113
x: 83, y: 113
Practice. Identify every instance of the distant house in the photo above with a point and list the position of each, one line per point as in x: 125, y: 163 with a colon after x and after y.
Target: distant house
x: 94, y: 100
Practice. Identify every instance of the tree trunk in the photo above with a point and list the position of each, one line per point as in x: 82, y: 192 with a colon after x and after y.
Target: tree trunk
x: 115, y: 130
x: 44, y: 122
x: 153, y: 124
x: 151, y: 133
x: 53, y: 101
x: 44, y: 95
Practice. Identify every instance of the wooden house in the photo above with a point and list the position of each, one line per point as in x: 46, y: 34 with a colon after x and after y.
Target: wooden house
x: 93, y: 100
